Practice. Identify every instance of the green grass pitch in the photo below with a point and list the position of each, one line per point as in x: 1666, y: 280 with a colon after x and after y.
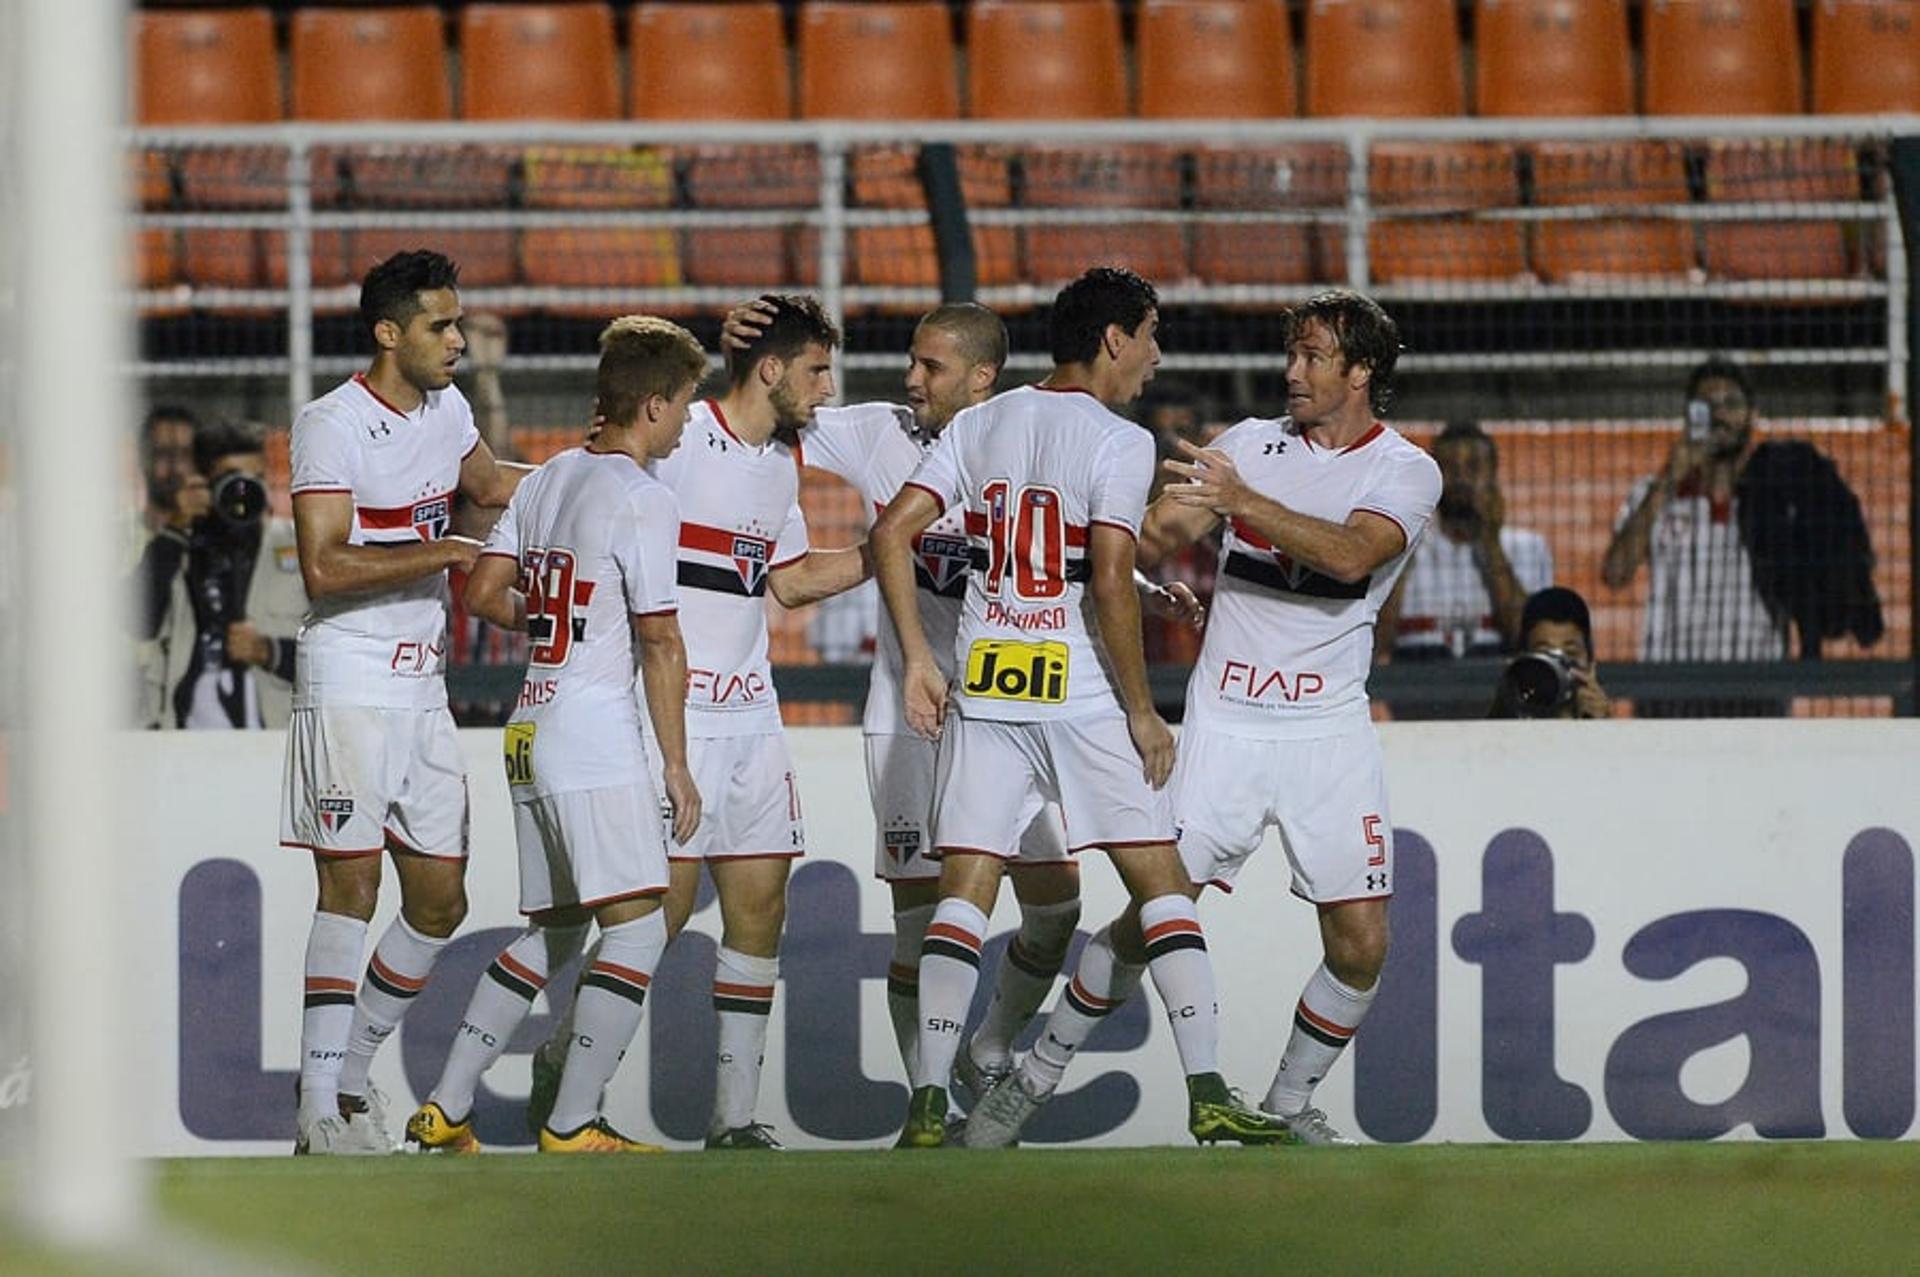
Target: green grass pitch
x: 1700, y: 1208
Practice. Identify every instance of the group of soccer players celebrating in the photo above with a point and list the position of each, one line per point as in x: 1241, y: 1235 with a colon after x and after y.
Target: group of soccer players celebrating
x: 647, y: 739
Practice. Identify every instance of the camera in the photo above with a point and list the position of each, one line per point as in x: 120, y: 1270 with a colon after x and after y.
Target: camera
x: 239, y: 499
x: 1699, y: 420
x: 1540, y: 683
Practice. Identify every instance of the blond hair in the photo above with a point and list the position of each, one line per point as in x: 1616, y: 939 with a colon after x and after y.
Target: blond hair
x: 642, y: 356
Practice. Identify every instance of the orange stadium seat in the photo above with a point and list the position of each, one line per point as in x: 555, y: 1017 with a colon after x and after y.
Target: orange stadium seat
x: 1721, y: 57
x: 386, y: 64
x: 863, y: 61
x: 718, y: 61
x: 214, y: 67
x: 1401, y: 59
x: 1385, y: 58
x: 1613, y: 174
x: 1866, y: 57
x: 1063, y: 59
x: 599, y: 178
x: 538, y: 62
x: 1204, y: 58
x: 1742, y: 57
x: 1552, y: 57
x: 1571, y: 58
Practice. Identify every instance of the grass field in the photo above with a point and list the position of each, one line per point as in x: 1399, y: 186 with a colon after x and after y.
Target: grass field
x: 1817, y: 1207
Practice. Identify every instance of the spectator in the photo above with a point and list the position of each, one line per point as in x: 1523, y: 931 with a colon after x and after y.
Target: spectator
x: 1554, y: 675
x: 1174, y: 411
x: 219, y: 596
x: 1464, y: 591
x: 167, y: 474
x: 1740, y: 541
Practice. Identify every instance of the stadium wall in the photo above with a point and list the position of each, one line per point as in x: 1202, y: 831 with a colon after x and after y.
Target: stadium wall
x: 1622, y: 931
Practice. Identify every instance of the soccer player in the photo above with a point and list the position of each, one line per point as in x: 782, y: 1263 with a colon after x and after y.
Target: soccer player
x: 583, y: 561
x: 1323, y: 508
x: 741, y: 537
x: 1051, y: 485
x: 373, y: 764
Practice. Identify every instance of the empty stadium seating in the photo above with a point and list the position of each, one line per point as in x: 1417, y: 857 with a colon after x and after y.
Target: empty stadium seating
x: 538, y: 62
x: 863, y: 61
x: 1866, y: 57
x: 1063, y: 59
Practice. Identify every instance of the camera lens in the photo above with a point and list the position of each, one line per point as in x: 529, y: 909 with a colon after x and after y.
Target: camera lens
x: 1540, y: 682
x: 239, y: 498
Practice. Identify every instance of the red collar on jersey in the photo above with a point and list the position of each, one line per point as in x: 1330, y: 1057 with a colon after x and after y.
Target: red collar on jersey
x: 1374, y: 432
x: 721, y: 417
x: 360, y: 379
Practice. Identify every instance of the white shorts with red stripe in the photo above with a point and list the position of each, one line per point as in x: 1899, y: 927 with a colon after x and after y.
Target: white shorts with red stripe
x: 993, y: 774
x: 901, y: 778
x: 1327, y: 797
x: 749, y: 800
x: 358, y: 778
x: 590, y: 846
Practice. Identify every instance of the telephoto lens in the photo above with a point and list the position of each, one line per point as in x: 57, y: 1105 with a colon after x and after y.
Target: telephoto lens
x: 1540, y: 682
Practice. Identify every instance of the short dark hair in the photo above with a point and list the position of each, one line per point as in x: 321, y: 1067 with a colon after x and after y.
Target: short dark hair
x: 392, y: 289
x: 1083, y: 309
x: 223, y: 439
x: 1459, y: 431
x: 642, y: 356
x: 1556, y: 603
x: 981, y: 333
x: 798, y: 321
x: 164, y: 412
x: 1366, y: 334
x: 1719, y: 367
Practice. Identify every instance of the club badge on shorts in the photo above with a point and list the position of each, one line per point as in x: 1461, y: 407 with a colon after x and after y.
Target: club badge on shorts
x: 517, y: 746
x: 1010, y: 670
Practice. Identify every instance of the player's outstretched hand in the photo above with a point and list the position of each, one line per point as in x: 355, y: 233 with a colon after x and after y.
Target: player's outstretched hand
x: 684, y: 797
x: 1153, y: 741
x: 744, y: 323
x: 1212, y: 481
x: 1176, y: 601
x: 462, y: 552
x: 925, y: 690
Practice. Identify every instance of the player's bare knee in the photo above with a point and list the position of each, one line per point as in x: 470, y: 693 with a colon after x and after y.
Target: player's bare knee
x: 348, y: 886
x: 436, y: 913
x: 1356, y: 956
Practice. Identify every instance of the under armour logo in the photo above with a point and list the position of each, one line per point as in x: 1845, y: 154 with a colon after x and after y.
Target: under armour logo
x: 1274, y: 449
x: 1057, y: 1042
x: 379, y: 430
x: 1376, y: 882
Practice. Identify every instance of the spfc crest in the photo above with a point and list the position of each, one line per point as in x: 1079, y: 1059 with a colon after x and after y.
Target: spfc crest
x: 943, y: 559
x: 335, y: 813
x: 749, y: 560
x: 901, y: 844
x: 431, y: 518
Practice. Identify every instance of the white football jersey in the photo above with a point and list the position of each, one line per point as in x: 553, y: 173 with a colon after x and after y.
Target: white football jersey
x: 1288, y: 648
x: 876, y: 448
x: 739, y: 519
x: 595, y: 537
x: 1032, y: 471
x: 385, y: 649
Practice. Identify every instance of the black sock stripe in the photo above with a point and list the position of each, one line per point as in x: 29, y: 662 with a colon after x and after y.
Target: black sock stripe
x: 935, y: 946
x: 1177, y: 941
x: 1084, y: 1007
x: 898, y: 988
x: 511, y: 983
x: 749, y: 1006
x: 1317, y: 1033
x: 1039, y: 967
x: 387, y: 987
x: 612, y: 984
x: 328, y: 1000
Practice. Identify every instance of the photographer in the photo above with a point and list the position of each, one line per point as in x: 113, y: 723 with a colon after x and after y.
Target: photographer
x: 219, y: 596
x: 1553, y: 677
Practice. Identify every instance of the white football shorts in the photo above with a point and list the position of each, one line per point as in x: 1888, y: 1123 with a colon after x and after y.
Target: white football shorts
x: 1327, y: 797
x: 359, y: 777
x: 590, y: 847
x: 749, y: 800
x: 993, y: 772
x: 901, y: 778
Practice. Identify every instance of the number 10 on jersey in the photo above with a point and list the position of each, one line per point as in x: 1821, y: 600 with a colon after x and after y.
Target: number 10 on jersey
x: 1029, y: 533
